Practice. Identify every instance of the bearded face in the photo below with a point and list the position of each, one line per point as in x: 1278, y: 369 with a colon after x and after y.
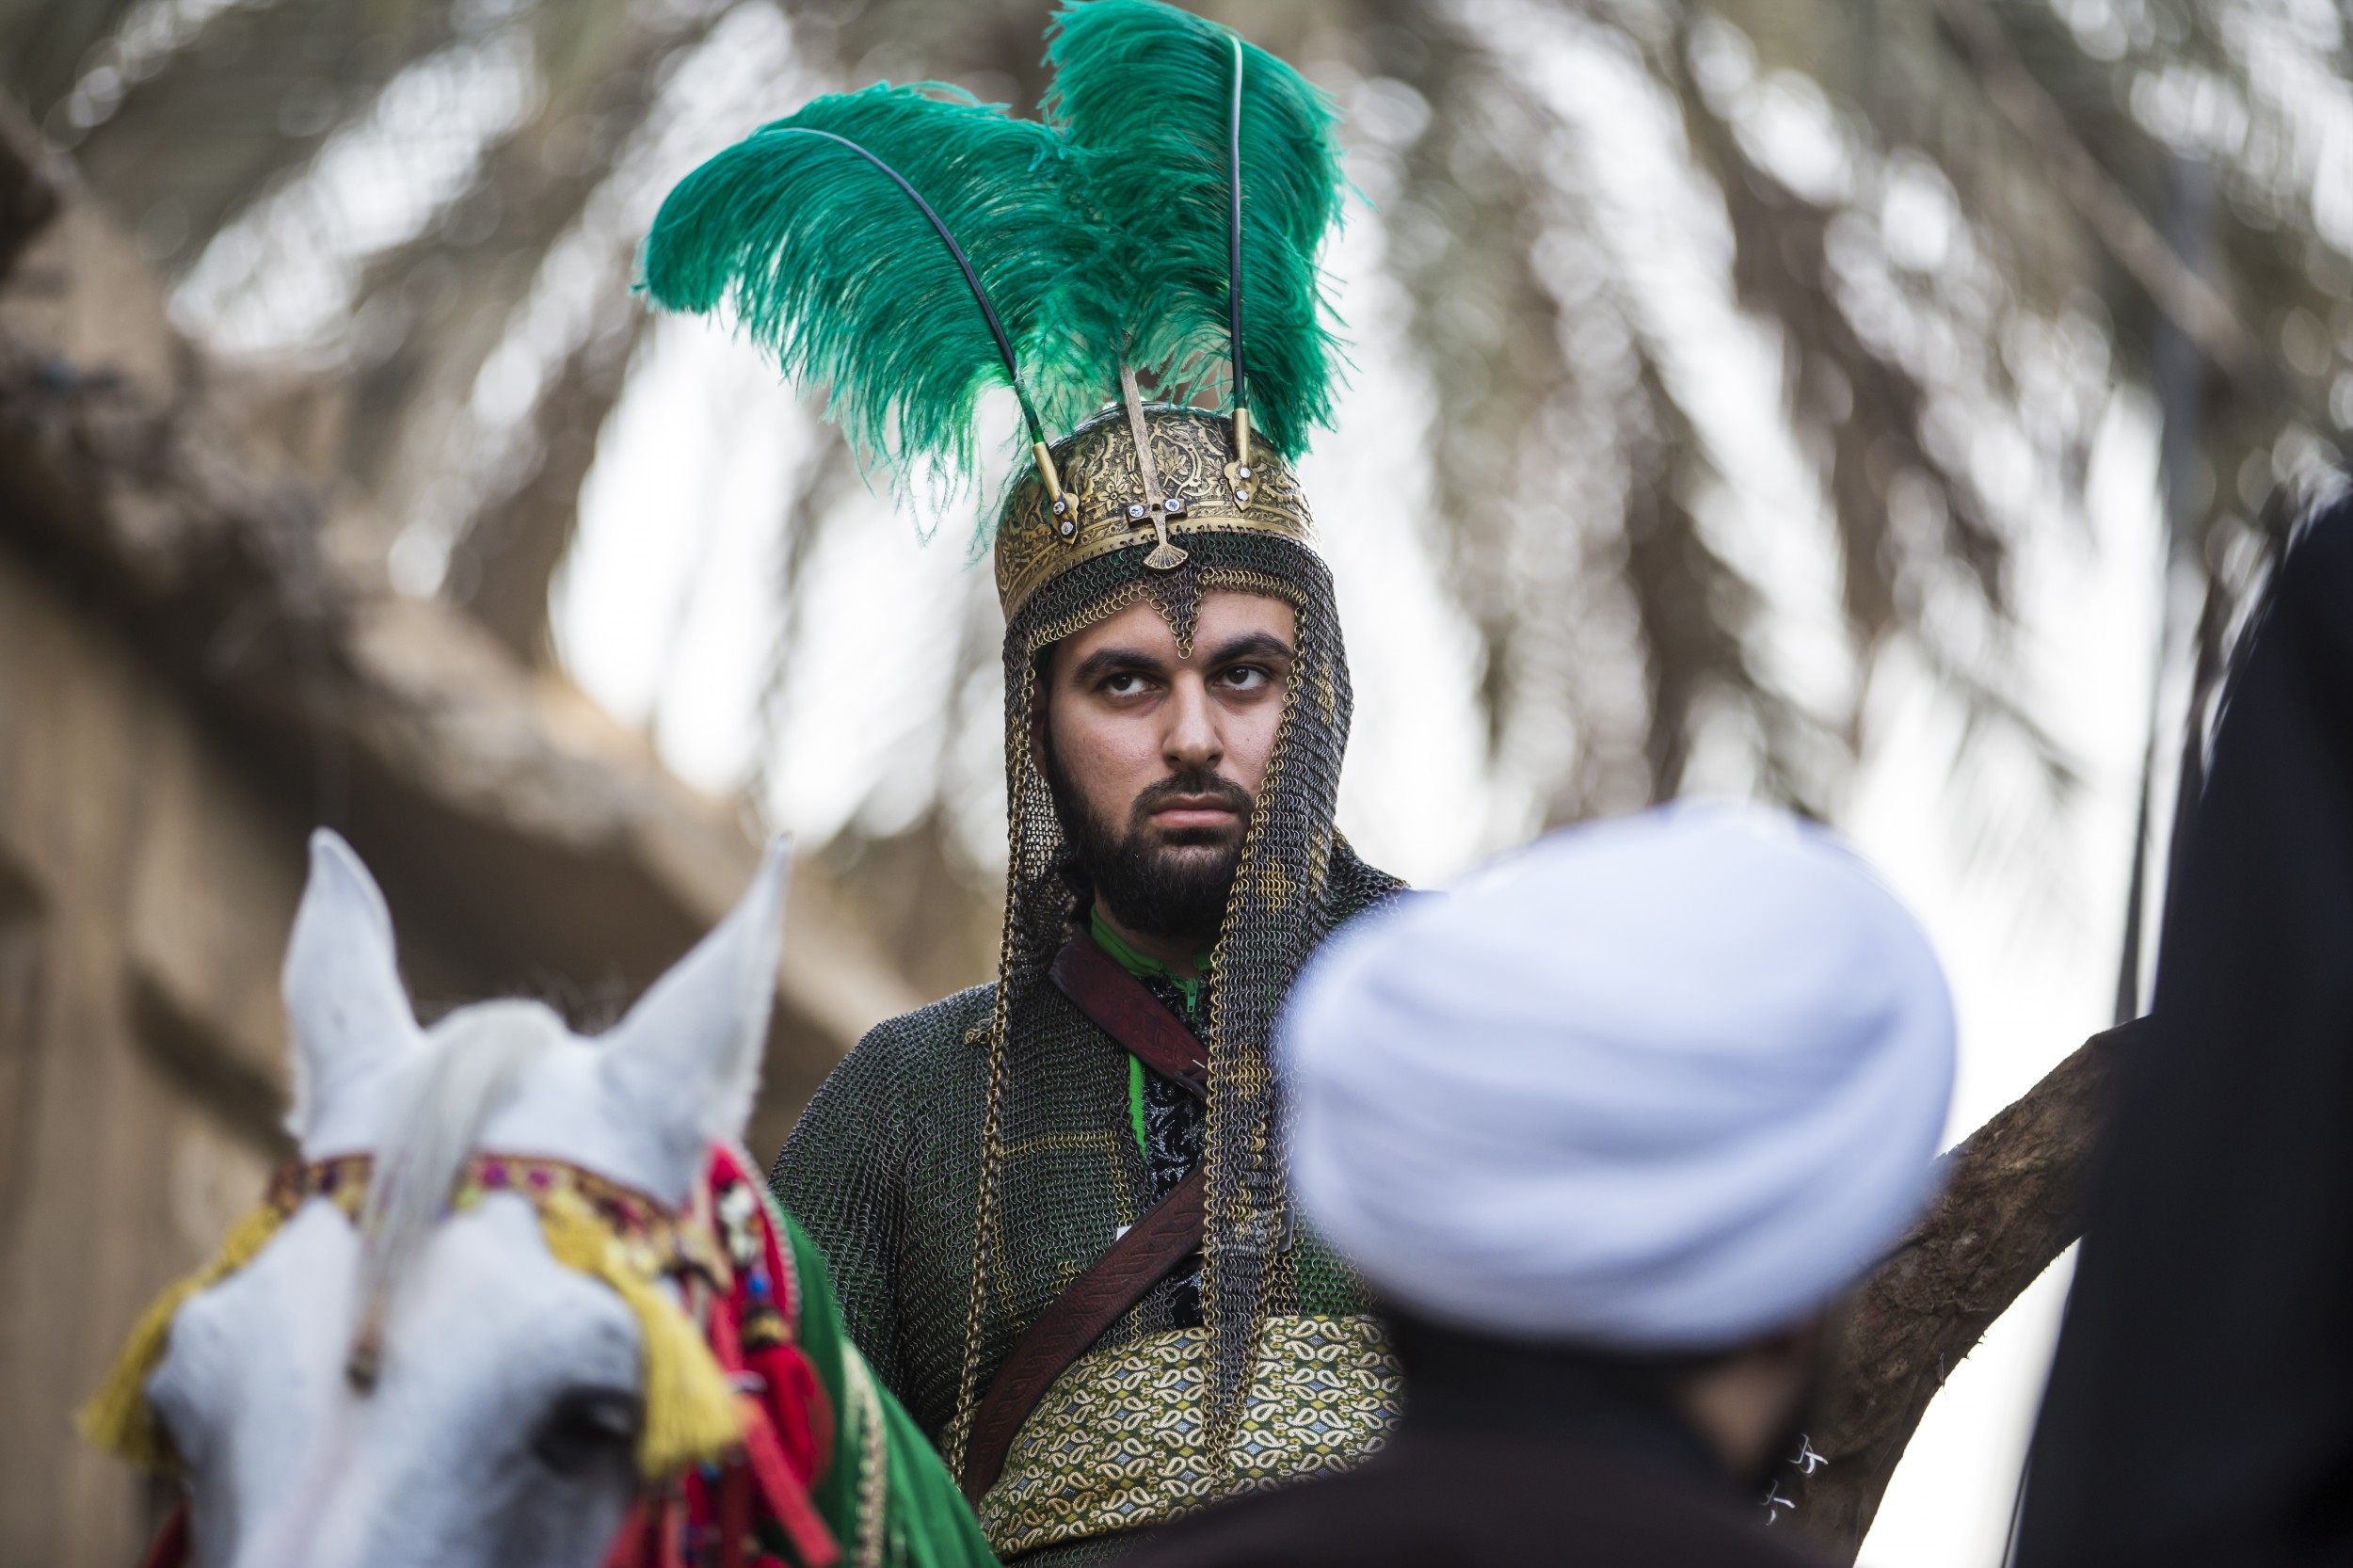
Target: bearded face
x: 1155, y: 760
x: 1163, y: 881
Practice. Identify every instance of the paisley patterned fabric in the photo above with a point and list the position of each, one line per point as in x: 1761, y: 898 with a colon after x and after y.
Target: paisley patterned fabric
x: 1117, y: 1442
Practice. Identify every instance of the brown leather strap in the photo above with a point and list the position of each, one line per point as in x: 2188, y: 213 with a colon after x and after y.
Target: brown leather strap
x: 1147, y: 1252
x: 1169, y: 1233
x: 1122, y: 1008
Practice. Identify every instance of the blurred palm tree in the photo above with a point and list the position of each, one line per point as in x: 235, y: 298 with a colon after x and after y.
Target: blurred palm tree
x: 408, y: 225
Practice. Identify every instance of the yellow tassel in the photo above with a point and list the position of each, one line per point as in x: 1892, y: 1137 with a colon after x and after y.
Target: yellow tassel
x: 690, y: 1406
x: 116, y: 1418
x: 691, y: 1411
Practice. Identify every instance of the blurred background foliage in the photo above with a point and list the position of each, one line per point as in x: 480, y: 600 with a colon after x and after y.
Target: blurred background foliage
x: 407, y: 227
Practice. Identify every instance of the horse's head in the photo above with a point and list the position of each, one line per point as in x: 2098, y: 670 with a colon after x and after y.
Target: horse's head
x: 435, y: 1387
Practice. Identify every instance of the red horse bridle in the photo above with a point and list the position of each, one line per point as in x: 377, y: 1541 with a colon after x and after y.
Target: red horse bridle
x: 735, y: 1268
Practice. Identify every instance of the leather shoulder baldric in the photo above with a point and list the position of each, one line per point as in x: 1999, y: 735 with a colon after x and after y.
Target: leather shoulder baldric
x: 1146, y: 1254
x: 1122, y: 1008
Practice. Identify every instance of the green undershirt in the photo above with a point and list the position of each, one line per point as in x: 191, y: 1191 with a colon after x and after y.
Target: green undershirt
x: 1144, y: 966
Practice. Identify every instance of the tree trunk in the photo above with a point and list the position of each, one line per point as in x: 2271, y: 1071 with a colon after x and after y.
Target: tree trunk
x: 2012, y: 1203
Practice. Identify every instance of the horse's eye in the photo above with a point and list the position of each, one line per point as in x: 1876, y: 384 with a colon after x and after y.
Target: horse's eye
x: 588, y: 1427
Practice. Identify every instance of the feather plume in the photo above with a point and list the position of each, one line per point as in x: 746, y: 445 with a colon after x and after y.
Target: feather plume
x: 830, y: 265
x: 1144, y: 94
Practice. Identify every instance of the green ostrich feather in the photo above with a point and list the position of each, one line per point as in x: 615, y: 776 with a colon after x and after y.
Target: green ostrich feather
x: 831, y: 267
x: 1145, y: 93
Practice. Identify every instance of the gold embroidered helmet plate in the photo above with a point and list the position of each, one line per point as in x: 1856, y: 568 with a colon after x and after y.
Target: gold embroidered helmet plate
x: 1197, y: 483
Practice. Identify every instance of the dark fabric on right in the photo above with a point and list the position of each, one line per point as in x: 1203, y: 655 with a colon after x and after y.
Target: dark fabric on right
x: 2200, y: 1407
x: 1434, y: 1500
x: 1507, y: 1452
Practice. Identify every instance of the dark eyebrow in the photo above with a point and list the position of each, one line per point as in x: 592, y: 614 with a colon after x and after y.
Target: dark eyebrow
x: 1251, y: 644
x: 1107, y: 661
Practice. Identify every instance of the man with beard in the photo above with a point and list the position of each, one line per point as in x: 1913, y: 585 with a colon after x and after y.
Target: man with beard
x: 1161, y: 763
x: 1055, y: 1206
x: 1153, y: 759
x: 1608, y: 1130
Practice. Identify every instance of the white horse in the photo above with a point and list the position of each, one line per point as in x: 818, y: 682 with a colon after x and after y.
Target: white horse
x: 436, y: 1387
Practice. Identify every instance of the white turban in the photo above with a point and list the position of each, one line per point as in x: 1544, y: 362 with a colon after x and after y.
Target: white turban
x: 1663, y: 1083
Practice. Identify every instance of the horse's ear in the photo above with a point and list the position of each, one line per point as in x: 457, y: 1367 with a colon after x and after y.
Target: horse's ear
x: 687, y: 1057
x: 342, y: 985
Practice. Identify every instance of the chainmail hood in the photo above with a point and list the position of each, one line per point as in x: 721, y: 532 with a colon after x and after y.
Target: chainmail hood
x: 1282, y: 904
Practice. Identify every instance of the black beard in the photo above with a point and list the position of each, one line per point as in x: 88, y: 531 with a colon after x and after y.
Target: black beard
x: 1152, y: 887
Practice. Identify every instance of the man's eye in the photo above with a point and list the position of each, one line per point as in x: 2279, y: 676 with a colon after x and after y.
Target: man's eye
x: 1123, y: 685
x: 1245, y: 677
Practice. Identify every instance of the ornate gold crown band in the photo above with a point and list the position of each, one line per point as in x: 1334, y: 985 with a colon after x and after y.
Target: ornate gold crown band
x: 1197, y: 474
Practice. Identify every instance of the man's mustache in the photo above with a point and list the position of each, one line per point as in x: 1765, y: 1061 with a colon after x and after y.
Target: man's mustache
x: 1197, y: 784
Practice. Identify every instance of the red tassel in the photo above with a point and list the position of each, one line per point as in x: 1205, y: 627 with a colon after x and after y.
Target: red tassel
x: 787, y: 1503
x: 628, y: 1546
x: 735, y: 1514
x: 787, y: 1420
x: 797, y: 1408
x: 670, y: 1529
x: 169, y: 1549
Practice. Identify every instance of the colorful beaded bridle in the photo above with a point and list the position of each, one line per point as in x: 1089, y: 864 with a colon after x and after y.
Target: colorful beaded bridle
x: 737, y: 1427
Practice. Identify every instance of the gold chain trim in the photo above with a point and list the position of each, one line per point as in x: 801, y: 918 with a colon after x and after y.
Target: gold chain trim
x: 873, y: 1482
x: 1251, y: 1075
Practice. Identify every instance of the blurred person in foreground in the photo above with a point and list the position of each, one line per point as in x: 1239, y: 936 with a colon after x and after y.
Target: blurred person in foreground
x: 1053, y: 1203
x: 2200, y: 1404
x: 1608, y: 1131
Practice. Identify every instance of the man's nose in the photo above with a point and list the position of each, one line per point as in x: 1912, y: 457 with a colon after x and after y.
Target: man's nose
x: 1192, y: 739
